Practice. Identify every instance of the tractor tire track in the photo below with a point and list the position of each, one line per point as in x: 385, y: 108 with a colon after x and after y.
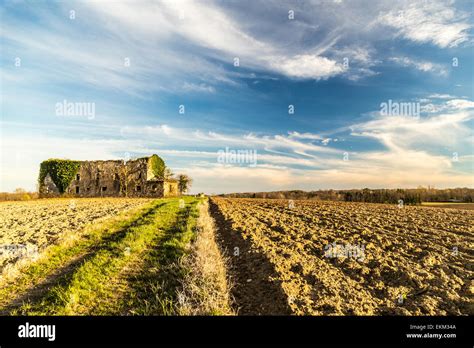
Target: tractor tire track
x: 256, y: 290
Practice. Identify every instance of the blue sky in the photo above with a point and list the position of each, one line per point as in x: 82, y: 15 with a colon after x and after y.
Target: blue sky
x: 334, y: 62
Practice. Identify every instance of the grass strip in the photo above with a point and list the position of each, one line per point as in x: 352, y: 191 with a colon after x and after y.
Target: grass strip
x: 58, y: 257
x: 90, y: 289
x: 155, y: 291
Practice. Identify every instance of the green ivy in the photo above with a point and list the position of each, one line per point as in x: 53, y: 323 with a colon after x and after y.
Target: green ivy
x: 62, y: 172
x: 157, y: 166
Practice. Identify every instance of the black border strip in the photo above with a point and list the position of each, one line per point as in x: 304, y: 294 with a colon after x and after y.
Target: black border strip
x: 239, y: 330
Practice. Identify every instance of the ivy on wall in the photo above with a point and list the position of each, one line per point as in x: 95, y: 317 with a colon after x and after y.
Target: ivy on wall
x: 62, y: 172
x: 157, y: 166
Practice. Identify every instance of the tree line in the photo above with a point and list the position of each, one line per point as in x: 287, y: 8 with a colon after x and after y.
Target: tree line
x: 408, y: 196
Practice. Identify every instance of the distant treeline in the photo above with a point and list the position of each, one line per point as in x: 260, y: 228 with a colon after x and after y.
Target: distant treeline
x: 408, y: 196
x: 19, y: 195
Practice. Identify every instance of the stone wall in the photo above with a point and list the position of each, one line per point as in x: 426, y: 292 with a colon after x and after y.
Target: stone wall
x: 48, y: 188
x: 113, y: 178
x: 170, y: 188
x: 97, y: 179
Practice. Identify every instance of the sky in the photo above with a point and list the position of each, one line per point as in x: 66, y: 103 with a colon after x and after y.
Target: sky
x: 307, y: 94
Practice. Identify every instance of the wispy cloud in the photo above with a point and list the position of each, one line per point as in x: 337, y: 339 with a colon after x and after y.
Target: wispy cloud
x: 435, y: 22
x: 421, y: 65
x: 202, y: 87
x: 189, y: 37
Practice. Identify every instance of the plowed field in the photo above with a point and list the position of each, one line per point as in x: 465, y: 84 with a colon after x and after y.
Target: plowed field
x: 389, y: 260
x: 28, y: 227
x: 127, y: 264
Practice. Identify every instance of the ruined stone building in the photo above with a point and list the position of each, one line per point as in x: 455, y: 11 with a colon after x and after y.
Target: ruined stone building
x: 142, y: 177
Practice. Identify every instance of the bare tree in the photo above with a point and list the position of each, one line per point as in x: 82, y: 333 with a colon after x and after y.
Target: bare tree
x: 184, y: 183
x: 168, y: 174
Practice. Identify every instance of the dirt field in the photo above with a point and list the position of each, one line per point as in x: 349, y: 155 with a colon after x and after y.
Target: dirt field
x: 468, y: 206
x: 338, y: 258
x: 285, y: 257
x: 27, y: 227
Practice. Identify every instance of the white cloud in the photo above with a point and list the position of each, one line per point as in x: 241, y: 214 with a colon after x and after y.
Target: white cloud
x: 424, y: 144
x: 190, y: 45
x: 150, y: 131
x: 217, y: 34
x: 202, y: 87
x: 435, y: 22
x: 307, y: 66
x: 460, y: 104
x: 399, y: 132
x: 326, y: 141
x: 448, y: 106
x: 420, y: 65
x: 441, y: 96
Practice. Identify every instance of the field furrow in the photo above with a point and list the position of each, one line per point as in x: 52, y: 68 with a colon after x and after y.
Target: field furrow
x: 389, y: 260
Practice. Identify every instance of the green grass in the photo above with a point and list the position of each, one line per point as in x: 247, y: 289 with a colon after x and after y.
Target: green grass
x: 58, y: 257
x: 154, y: 291
x: 129, y: 266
